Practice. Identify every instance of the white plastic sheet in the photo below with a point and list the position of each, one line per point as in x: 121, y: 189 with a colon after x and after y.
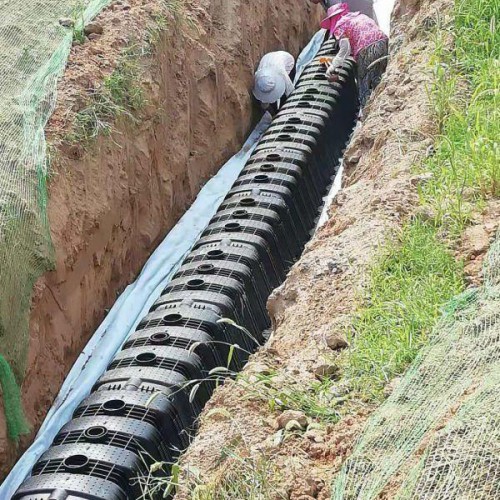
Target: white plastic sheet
x: 137, y: 298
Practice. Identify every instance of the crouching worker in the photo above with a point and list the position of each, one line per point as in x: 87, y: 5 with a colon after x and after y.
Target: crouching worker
x: 360, y: 37
x: 273, y: 80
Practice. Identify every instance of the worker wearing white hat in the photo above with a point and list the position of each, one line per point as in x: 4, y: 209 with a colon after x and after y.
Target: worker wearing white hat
x: 272, y: 82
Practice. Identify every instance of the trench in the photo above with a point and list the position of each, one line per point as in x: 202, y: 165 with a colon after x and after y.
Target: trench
x: 202, y: 322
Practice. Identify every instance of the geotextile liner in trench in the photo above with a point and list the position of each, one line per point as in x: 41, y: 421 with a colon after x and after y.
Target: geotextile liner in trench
x: 438, y: 435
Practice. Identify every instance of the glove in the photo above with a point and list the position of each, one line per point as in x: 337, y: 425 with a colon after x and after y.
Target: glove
x: 339, y: 59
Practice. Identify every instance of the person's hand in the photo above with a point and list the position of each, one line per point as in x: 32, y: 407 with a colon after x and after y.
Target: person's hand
x: 331, y: 74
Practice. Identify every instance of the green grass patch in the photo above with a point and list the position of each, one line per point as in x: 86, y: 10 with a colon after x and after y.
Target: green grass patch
x: 120, y: 94
x: 465, y: 94
x: 413, y: 279
x: 418, y: 274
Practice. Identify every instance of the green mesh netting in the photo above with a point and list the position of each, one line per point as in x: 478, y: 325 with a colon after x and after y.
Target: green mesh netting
x: 14, y: 416
x: 34, y: 48
x: 438, y: 435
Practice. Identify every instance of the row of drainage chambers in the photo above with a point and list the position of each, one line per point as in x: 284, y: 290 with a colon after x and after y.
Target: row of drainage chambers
x: 260, y: 229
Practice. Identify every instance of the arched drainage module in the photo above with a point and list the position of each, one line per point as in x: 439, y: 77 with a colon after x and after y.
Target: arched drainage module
x: 143, y: 408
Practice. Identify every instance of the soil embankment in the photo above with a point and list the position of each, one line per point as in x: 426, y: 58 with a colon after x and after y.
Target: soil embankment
x: 112, y: 200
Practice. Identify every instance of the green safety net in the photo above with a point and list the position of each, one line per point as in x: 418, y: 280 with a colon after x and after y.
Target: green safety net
x: 14, y: 415
x: 438, y: 435
x: 34, y: 48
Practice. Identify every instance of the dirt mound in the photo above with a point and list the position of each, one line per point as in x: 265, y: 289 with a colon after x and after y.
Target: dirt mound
x: 112, y: 199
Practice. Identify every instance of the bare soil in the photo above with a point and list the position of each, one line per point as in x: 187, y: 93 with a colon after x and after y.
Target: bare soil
x: 476, y: 241
x: 113, y: 201
x: 321, y: 290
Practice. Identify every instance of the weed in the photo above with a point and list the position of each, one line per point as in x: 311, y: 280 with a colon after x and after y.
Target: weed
x: 119, y: 95
x: 79, y: 23
x: 465, y: 95
x: 174, y: 9
x: 315, y: 400
x: 245, y: 475
x: 413, y: 279
x: 122, y: 85
x: 155, y: 30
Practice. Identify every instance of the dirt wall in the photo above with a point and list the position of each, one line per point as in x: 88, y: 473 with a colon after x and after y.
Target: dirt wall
x: 112, y: 202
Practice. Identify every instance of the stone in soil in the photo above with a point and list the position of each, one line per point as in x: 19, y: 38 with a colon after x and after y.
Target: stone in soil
x: 336, y: 341
x: 325, y: 370
x: 477, y: 240
x: 66, y: 22
x: 93, y: 28
x: 289, y: 416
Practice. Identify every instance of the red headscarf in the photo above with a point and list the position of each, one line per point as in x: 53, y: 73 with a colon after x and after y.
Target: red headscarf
x: 335, y: 12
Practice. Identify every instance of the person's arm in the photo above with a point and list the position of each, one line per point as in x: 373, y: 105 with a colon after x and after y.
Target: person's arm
x: 343, y: 53
x: 289, y: 85
x: 289, y: 65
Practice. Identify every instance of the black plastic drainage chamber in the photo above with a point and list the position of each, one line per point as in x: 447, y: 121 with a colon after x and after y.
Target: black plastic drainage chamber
x: 213, y: 312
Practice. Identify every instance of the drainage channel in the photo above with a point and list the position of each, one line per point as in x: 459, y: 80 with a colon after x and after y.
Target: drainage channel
x: 213, y: 311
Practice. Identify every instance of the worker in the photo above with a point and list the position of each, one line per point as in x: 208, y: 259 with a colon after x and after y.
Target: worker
x: 362, y: 6
x: 360, y: 37
x: 273, y: 79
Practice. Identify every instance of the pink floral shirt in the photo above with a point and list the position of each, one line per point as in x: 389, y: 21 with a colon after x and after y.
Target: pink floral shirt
x: 359, y: 29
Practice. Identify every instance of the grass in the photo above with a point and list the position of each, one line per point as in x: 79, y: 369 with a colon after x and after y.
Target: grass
x: 120, y: 95
x: 466, y: 163
x: 314, y: 400
x: 252, y: 477
x: 415, y: 276
x: 245, y: 474
x: 175, y: 9
x: 79, y: 23
x: 249, y: 477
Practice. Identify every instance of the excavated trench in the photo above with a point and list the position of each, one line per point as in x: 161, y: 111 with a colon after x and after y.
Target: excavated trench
x: 212, y: 313
x: 112, y: 201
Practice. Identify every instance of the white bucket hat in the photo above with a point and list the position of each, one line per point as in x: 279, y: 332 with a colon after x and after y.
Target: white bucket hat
x: 269, y: 86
